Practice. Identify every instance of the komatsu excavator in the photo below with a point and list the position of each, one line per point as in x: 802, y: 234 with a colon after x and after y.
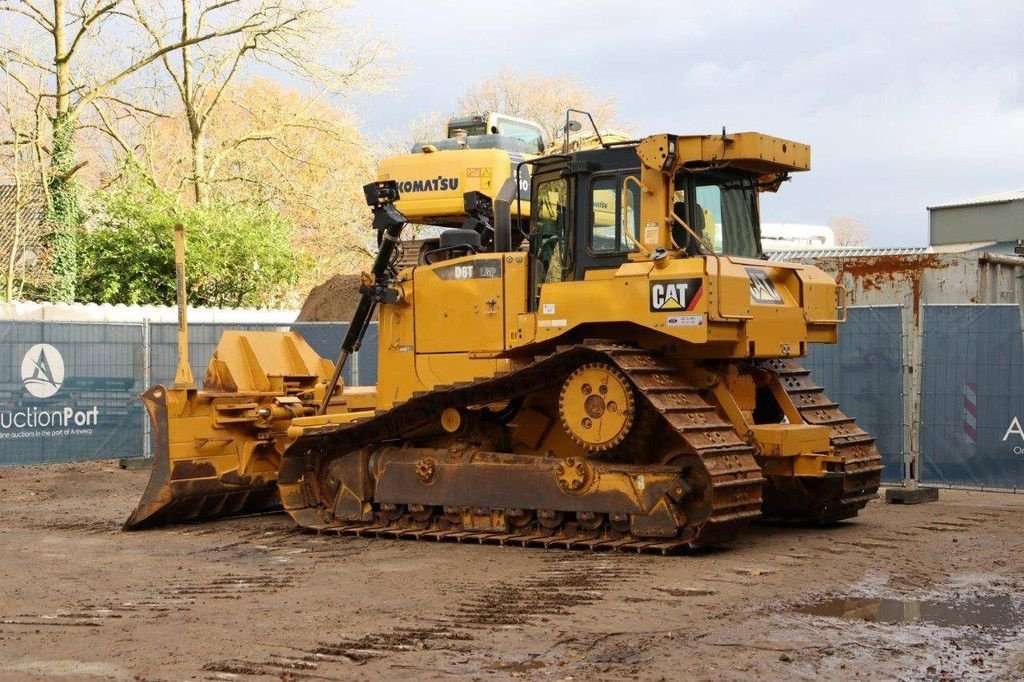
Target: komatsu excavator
x: 481, y: 156
x: 625, y: 379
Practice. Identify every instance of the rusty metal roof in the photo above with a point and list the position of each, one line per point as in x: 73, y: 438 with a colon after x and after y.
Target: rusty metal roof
x: 997, y: 198
x: 846, y: 251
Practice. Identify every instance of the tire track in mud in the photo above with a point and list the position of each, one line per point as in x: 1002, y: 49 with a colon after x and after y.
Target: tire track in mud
x: 182, y: 596
x: 268, y: 544
x: 562, y: 585
x: 85, y: 526
x: 150, y: 604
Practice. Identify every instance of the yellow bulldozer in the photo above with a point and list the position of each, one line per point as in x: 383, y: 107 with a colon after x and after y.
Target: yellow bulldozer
x: 613, y: 368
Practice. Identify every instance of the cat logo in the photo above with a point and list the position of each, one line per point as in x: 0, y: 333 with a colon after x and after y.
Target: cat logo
x: 762, y: 289
x: 676, y: 294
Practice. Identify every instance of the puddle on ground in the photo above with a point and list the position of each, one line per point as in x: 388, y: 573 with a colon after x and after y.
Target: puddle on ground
x: 997, y: 613
x: 518, y: 667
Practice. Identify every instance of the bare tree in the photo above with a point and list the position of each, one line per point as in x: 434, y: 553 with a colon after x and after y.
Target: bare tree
x: 849, y: 231
x: 428, y: 126
x: 540, y: 98
x: 23, y: 198
x: 83, y: 63
x: 310, y: 162
x: 298, y: 38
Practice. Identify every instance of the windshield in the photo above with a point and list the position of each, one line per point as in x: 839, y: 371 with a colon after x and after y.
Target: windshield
x: 470, y: 125
x: 725, y: 210
x: 529, y: 134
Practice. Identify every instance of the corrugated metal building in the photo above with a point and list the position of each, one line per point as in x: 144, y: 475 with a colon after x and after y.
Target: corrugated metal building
x: 912, y: 277
x: 993, y: 222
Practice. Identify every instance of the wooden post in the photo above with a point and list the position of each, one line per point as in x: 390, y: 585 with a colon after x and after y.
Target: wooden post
x: 183, y: 376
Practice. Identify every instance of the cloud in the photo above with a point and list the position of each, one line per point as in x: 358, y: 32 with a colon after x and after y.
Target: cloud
x: 905, y: 104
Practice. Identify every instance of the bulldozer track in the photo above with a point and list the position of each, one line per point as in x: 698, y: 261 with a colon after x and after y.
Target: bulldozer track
x: 732, y: 477
x: 862, y: 464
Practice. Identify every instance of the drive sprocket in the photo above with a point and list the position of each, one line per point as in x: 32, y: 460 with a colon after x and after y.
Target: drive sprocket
x: 596, y: 406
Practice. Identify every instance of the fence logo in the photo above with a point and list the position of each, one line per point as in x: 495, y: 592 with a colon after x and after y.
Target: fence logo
x: 42, y: 370
x: 1014, y: 429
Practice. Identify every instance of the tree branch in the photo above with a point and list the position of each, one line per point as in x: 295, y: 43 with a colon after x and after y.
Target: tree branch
x: 97, y: 90
x: 132, y: 105
x: 88, y: 21
x: 33, y: 13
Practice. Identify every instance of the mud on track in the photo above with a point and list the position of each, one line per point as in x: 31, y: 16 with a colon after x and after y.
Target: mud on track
x: 254, y: 599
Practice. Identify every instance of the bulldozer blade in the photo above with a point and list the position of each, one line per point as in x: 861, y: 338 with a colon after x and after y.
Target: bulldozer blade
x: 190, y: 489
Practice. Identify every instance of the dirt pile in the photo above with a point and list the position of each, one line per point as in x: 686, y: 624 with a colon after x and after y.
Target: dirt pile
x: 333, y: 301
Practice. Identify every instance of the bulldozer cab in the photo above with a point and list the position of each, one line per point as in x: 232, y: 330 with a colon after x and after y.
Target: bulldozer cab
x: 588, y: 215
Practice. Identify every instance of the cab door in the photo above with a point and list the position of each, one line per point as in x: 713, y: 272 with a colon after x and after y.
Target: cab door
x: 551, y: 252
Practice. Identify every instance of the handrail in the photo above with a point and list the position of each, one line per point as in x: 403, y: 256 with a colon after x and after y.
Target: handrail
x: 840, y: 289
x: 841, y: 306
x: 625, y: 186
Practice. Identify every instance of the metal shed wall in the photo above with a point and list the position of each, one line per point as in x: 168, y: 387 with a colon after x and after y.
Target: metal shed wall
x: 999, y: 222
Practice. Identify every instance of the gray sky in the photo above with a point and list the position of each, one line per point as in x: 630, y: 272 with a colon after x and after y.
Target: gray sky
x: 905, y: 104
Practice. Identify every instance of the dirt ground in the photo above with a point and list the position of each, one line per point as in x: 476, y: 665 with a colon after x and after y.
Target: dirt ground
x: 253, y: 598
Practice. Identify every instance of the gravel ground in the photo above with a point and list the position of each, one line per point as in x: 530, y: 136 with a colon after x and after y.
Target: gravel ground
x: 252, y: 598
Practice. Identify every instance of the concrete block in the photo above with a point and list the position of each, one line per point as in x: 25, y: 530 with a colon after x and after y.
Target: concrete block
x: 911, y: 495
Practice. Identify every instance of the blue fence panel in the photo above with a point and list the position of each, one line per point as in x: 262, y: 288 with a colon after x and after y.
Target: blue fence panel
x: 368, y: 357
x: 972, y: 405
x: 326, y: 337
x: 69, y: 391
x: 863, y: 373
x: 54, y: 374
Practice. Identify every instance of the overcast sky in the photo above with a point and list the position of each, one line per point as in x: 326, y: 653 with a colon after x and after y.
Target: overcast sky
x: 904, y: 104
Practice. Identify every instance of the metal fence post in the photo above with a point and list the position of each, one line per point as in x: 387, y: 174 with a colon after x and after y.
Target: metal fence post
x: 909, y: 323
x: 147, y: 381
x: 915, y: 398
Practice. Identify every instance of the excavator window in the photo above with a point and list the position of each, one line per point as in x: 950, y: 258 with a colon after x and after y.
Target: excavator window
x: 531, y: 135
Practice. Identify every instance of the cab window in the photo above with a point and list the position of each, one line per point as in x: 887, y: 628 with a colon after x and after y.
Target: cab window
x: 613, y: 217
x: 730, y: 215
x: 721, y: 207
x: 529, y: 134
